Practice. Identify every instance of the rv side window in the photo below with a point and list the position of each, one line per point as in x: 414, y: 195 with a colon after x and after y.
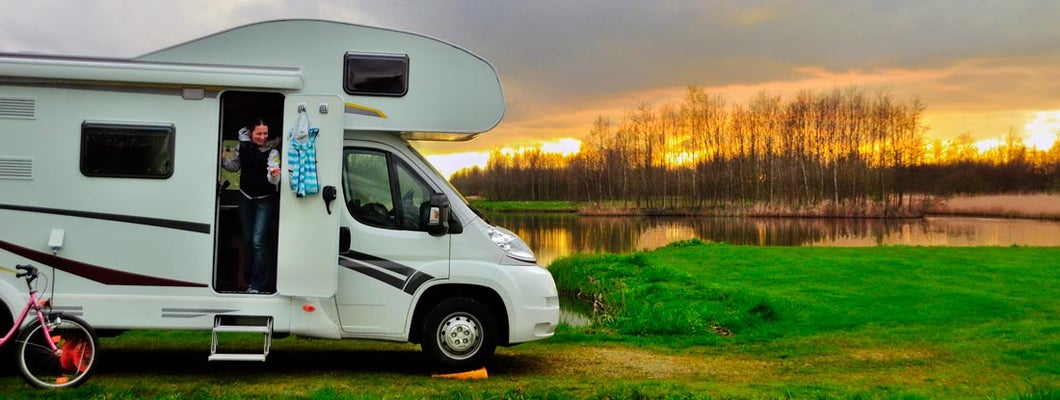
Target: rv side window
x: 382, y: 191
x: 127, y: 150
x: 376, y: 74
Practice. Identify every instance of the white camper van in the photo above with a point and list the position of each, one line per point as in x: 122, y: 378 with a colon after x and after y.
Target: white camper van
x: 110, y: 183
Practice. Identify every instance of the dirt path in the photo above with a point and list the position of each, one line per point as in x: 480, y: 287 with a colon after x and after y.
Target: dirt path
x: 611, y: 362
x: 628, y: 363
x: 563, y: 364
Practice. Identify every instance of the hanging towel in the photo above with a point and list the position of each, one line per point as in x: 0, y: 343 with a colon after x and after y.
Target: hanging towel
x: 302, y: 156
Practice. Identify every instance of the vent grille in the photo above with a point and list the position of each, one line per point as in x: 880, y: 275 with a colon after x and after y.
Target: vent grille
x: 16, y: 168
x: 18, y: 108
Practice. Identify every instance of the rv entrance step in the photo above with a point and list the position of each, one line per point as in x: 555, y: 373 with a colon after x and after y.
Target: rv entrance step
x: 237, y: 329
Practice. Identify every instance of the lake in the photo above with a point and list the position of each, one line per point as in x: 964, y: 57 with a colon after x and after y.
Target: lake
x: 555, y: 235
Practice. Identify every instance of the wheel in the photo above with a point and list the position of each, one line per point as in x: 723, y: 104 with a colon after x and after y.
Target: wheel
x: 70, y: 366
x: 74, y: 362
x: 459, y: 334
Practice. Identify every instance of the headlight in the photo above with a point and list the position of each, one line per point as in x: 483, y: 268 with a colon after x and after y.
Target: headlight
x: 511, y: 244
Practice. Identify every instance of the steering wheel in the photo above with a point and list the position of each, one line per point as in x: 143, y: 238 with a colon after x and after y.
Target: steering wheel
x: 376, y: 213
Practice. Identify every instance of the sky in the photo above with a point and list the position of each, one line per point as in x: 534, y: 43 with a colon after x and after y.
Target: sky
x: 982, y: 67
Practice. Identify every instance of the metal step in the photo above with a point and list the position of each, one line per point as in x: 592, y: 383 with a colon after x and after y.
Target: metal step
x: 240, y: 324
x: 242, y: 329
x: 237, y: 357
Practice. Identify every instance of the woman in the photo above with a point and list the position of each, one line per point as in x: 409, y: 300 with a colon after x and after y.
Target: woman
x: 258, y: 161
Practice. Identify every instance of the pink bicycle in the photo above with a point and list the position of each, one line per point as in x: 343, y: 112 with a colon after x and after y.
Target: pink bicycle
x: 53, y: 350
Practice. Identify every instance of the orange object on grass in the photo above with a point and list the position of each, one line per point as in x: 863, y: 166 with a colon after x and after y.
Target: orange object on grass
x: 476, y: 374
x: 74, y: 354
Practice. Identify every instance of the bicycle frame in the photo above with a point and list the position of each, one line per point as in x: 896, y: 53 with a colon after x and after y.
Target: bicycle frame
x: 34, y: 304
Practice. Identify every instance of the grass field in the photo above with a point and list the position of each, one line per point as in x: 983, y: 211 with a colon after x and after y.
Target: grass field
x: 882, y: 322
x: 526, y: 206
x: 690, y: 320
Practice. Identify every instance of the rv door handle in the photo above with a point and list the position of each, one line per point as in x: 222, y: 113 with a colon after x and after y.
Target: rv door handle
x: 328, y: 195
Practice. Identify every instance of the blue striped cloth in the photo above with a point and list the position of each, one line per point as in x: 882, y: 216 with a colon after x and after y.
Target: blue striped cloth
x: 302, y: 156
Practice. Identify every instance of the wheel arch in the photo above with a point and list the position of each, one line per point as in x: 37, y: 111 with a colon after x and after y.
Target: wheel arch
x: 10, y: 302
x: 7, y: 320
x: 485, y: 295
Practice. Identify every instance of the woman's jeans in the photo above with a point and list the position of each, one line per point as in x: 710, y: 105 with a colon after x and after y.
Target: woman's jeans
x: 258, y: 216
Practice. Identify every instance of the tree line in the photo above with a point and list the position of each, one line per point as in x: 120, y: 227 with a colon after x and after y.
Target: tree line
x: 844, y: 147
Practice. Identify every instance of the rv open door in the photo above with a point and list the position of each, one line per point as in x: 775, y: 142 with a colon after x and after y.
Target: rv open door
x: 308, y: 248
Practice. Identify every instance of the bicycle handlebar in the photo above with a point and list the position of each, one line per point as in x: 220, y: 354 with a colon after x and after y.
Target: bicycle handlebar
x: 30, y: 271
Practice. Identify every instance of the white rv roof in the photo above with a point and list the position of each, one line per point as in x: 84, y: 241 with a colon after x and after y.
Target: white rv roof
x: 450, y: 90
x: 452, y: 94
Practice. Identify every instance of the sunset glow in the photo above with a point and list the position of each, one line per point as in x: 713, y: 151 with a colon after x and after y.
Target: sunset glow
x: 565, y: 146
x: 448, y: 164
x: 986, y: 145
x: 1041, y: 132
x: 1038, y: 135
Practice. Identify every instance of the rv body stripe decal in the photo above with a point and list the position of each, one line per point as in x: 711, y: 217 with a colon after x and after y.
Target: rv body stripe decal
x: 401, y: 277
x: 77, y: 311
x: 198, y: 310
x: 165, y: 315
x: 397, y: 268
x: 372, y: 272
x: 96, y: 273
x: 415, y: 281
x: 192, y: 312
x: 164, y: 223
x: 357, y: 109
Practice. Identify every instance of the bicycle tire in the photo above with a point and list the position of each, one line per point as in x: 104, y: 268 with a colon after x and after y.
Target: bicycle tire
x: 72, y: 366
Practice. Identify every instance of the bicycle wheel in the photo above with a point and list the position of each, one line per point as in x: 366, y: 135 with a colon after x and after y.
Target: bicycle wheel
x: 71, y: 366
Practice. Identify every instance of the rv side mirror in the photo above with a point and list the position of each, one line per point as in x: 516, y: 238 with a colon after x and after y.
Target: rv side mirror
x: 438, y: 215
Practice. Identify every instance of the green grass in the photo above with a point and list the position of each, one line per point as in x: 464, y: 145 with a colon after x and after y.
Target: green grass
x: 948, y: 322
x: 805, y: 323
x: 526, y: 206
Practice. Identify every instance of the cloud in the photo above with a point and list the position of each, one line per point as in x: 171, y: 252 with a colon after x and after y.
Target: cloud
x: 754, y: 16
x: 119, y: 28
x: 564, y: 63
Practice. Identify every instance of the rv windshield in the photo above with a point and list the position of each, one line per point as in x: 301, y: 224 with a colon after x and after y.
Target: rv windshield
x: 451, y: 187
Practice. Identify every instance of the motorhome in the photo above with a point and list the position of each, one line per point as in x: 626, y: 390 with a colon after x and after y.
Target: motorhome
x: 110, y: 182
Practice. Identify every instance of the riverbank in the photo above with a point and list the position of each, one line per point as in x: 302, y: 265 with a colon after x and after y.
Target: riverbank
x: 526, y: 206
x: 867, y: 210
x: 1033, y: 206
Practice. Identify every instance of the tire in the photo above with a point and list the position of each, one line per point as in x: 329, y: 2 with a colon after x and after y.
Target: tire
x: 459, y: 334
x: 72, y: 366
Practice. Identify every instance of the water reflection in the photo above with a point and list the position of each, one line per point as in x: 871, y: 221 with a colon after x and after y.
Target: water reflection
x: 555, y: 235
